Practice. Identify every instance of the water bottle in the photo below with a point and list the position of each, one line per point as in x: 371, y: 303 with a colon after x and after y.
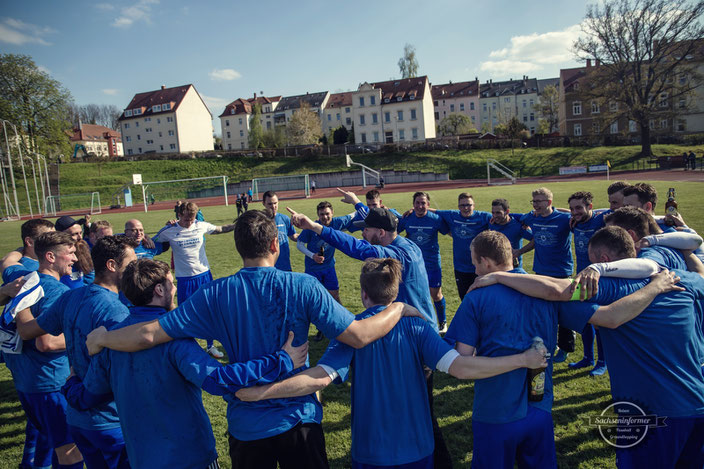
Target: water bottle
x: 536, y: 376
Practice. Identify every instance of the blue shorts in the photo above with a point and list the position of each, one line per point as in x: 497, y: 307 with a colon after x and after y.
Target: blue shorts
x: 186, y: 286
x: 425, y: 463
x: 101, y: 448
x: 327, y: 277
x: 47, y: 411
x: 529, y: 441
x: 678, y: 444
x: 435, y: 278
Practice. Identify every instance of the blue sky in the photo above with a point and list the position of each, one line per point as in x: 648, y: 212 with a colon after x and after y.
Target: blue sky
x: 105, y: 52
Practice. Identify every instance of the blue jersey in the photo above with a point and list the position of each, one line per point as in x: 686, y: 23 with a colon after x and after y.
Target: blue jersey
x: 654, y: 359
x: 145, y: 253
x: 553, y: 243
x: 283, y: 223
x: 158, y: 396
x: 516, y: 233
x: 77, y: 279
x: 391, y: 417
x: 314, y: 244
x: 583, y: 232
x: 32, y: 370
x: 665, y: 257
x: 361, y: 214
x: 250, y: 313
x: 424, y: 232
x: 463, y: 231
x: 75, y: 314
x: 26, y: 264
x: 414, y: 289
x: 500, y: 321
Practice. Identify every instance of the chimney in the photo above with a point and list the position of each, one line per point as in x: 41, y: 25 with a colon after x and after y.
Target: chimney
x: 589, y: 63
x: 255, y: 96
x: 163, y: 87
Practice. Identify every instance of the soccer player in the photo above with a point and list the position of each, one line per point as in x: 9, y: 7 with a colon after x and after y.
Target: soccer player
x: 97, y: 431
x: 615, y: 193
x: 146, y: 248
x: 286, y: 230
x: 497, y: 321
x: 250, y: 313
x: 553, y: 251
x: 188, y: 247
x: 154, y: 426
x: 464, y: 223
x: 422, y: 227
x: 391, y: 420
x: 42, y: 367
x: 584, y: 224
x: 373, y: 198
x: 653, y: 359
x: 97, y: 230
x: 82, y: 272
x: 502, y: 222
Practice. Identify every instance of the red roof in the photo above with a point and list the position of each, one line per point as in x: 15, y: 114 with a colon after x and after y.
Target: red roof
x: 244, y: 106
x: 94, y: 133
x: 337, y: 100
x: 146, y: 101
x: 455, y: 90
x: 407, y: 89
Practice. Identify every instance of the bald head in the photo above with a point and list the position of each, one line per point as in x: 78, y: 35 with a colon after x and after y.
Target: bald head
x: 134, y: 229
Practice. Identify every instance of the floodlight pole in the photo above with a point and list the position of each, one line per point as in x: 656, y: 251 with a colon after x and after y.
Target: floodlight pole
x: 144, y: 197
x: 36, y: 188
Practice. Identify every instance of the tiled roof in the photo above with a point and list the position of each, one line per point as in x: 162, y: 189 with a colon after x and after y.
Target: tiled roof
x: 510, y: 87
x: 94, y: 133
x: 547, y: 82
x: 294, y: 102
x: 455, y: 90
x: 146, y: 101
x: 403, y: 89
x: 244, y: 106
x: 568, y: 76
x: 338, y: 100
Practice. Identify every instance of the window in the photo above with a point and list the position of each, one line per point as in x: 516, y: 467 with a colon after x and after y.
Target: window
x: 172, y: 146
x: 229, y: 146
x: 663, y: 100
x: 128, y: 138
x: 136, y: 124
x: 525, y: 103
x: 437, y: 115
x: 268, y: 125
x: 681, y: 125
x: 525, y: 118
x: 227, y: 122
x: 452, y: 108
x: 361, y: 119
x: 139, y: 137
x: 139, y: 150
x: 400, y: 116
x: 595, y: 107
x: 169, y: 119
x: 241, y: 133
x: 364, y: 137
x: 329, y: 117
x: 387, y: 117
x: 137, y: 112
x: 471, y: 106
x: 413, y: 114
x: 372, y: 100
x: 435, y: 103
x: 663, y: 123
x: 348, y: 120
x: 149, y: 142
x: 531, y: 102
x: 493, y: 106
x: 160, y: 134
x: 240, y: 121
x: 375, y: 118
x: 414, y: 133
x: 532, y: 116
x: 462, y: 107
x: 361, y: 101
x: 129, y: 151
x: 229, y: 135
x: 401, y: 134
x: 651, y: 124
x: 376, y: 136
x: 126, y: 126
x: 682, y: 104
x: 473, y: 119
x: 156, y: 108
x: 161, y: 147
x: 683, y: 79
x: 347, y: 110
x: 242, y: 145
x: 166, y: 107
x: 171, y: 133
x: 613, y: 106
x: 614, y: 127
x: 338, y: 116
x: 148, y: 129
x: 577, y: 130
x: 507, y: 100
x: 577, y: 109
x: 128, y: 112
x: 631, y: 126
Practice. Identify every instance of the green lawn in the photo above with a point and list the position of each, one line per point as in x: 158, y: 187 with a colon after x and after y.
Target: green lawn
x: 577, y: 396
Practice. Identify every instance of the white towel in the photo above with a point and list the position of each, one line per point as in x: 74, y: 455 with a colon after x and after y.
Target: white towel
x: 30, y: 293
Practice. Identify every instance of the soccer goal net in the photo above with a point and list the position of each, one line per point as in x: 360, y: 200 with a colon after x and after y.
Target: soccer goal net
x: 85, y: 202
x: 286, y: 187
x: 498, y: 174
x: 211, y: 187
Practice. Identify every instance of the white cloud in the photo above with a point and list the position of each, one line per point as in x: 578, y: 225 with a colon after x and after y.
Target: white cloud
x: 532, y: 52
x: 17, y: 32
x: 216, y: 105
x: 110, y: 91
x: 140, y: 11
x: 224, y: 74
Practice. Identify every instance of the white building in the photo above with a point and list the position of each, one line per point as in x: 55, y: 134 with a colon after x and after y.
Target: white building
x: 97, y: 140
x: 235, y: 120
x: 501, y: 101
x: 337, y: 112
x: 457, y: 98
x: 288, y: 105
x: 168, y: 120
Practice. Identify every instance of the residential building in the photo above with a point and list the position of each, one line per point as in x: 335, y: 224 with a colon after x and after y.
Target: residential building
x: 97, y: 140
x: 337, y: 112
x: 393, y: 111
x: 235, y: 120
x: 457, y: 98
x: 501, y: 101
x: 542, y: 84
x: 290, y: 104
x: 167, y: 120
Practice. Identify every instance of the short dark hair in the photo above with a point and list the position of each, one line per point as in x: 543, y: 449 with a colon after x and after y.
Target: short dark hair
x: 644, y: 191
x: 584, y: 196
x: 30, y: 228
x: 323, y: 205
x: 464, y: 195
x: 188, y: 208
x: 50, y: 241
x: 631, y: 218
x: 617, y: 186
x: 615, y: 240
x: 380, y: 279
x: 254, y: 232
x: 141, y: 277
x: 493, y: 245
x: 110, y: 247
x: 268, y: 195
x: 503, y: 203
x: 96, y: 225
x: 373, y: 194
x: 421, y: 194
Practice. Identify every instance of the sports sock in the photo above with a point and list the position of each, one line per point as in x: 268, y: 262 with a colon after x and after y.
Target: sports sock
x: 440, y: 310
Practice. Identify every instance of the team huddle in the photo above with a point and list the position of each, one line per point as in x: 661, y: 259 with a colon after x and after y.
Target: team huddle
x: 109, y: 374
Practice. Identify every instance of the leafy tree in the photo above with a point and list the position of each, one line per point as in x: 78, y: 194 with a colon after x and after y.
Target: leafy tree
x: 408, y: 64
x: 456, y: 124
x: 304, y: 127
x: 548, y: 107
x: 543, y: 127
x: 340, y: 135
x: 255, y: 128
x: 645, y: 50
x: 513, y: 129
x: 36, y: 103
x: 274, y: 138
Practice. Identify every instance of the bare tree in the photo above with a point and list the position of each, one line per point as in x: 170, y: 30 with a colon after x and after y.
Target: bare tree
x: 408, y: 64
x: 304, y: 127
x: 98, y: 114
x: 548, y: 107
x: 645, y: 50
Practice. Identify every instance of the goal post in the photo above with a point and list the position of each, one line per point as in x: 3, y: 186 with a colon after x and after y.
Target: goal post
x: 286, y: 187
x: 80, y: 203
x: 183, y: 189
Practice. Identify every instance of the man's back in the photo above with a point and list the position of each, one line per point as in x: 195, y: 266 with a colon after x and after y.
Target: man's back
x: 553, y: 247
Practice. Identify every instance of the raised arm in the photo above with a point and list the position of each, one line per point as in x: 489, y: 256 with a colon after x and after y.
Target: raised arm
x: 11, y: 258
x: 223, y: 229
x: 133, y: 338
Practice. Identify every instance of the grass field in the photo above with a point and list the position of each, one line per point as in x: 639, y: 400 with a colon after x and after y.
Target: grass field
x: 577, y: 396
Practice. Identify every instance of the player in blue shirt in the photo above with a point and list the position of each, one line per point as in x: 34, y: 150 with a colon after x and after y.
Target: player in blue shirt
x: 373, y: 199
x: 497, y: 321
x: 153, y: 426
x: 584, y: 224
x: 82, y: 272
x: 653, y: 359
x: 42, y: 367
x: 515, y: 231
x: 250, y: 313
x: 422, y: 227
x: 96, y: 432
x: 146, y: 248
x: 97, y: 230
x: 286, y: 230
x: 391, y: 420
x: 553, y: 251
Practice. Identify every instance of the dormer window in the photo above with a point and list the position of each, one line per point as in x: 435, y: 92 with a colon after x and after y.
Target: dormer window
x: 128, y: 112
x: 137, y: 111
x: 156, y: 108
x: 166, y: 107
